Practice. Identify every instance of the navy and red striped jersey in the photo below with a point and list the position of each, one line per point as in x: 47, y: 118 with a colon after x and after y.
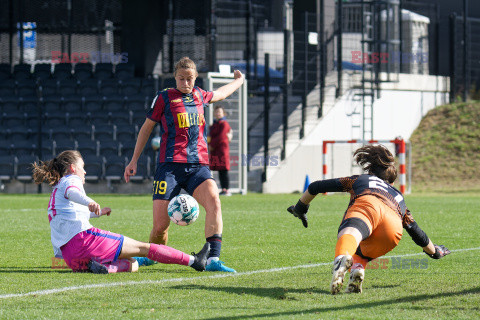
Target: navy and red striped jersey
x: 182, y: 125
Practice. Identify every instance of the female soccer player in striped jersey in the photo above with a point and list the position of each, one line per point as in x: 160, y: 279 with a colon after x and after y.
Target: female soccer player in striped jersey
x: 183, y: 154
x: 372, y: 224
x: 83, y: 247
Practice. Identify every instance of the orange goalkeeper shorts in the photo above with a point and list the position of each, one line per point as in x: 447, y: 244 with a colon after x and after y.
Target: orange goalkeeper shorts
x: 385, y: 225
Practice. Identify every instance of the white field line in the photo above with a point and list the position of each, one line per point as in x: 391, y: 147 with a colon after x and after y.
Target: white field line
x: 216, y: 276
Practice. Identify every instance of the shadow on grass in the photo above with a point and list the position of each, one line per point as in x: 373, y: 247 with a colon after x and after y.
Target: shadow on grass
x: 373, y: 304
x: 273, y: 293
x: 32, y: 270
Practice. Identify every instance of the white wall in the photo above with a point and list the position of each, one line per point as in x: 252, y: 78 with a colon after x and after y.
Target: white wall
x: 397, y: 113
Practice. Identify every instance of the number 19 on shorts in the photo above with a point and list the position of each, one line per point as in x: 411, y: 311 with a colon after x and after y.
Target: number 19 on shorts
x: 159, y: 187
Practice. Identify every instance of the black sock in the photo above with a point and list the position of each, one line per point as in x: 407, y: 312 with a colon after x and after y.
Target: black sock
x: 215, y: 245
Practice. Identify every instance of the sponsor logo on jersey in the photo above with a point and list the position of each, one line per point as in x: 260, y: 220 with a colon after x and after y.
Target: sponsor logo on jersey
x: 177, y: 100
x: 186, y: 120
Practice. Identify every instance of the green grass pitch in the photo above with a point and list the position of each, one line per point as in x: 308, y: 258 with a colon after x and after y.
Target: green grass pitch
x: 284, y: 270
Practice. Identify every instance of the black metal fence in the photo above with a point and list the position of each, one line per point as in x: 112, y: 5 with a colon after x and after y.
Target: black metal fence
x: 60, y: 31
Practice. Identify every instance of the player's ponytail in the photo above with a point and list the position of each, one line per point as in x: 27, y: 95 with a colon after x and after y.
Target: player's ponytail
x: 377, y: 160
x: 53, y: 170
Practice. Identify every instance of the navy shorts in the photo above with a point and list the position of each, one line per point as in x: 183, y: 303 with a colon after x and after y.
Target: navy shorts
x: 170, y: 177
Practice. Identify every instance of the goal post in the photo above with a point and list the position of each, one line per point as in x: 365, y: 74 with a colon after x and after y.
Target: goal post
x: 400, y: 151
x: 235, y: 107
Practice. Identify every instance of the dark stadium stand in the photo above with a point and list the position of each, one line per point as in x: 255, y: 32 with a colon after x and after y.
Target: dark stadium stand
x: 95, y: 109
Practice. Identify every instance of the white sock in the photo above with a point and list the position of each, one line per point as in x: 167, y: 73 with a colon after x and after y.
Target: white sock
x: 212, y: 259
x: 191, y: 261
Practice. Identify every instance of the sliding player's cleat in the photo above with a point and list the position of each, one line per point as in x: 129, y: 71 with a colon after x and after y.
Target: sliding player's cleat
x: 201, y: 258
x: 96, y: 267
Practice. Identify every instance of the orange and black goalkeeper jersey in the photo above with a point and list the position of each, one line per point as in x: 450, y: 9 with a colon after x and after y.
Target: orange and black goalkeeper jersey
x: 361, y: 185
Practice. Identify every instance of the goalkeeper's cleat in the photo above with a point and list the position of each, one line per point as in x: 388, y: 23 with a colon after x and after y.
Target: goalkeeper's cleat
x: 341, y: 264
x: 96, y: 267
x: 144, y: 261
x: 356, y: 280
x: 217, y: 265
x: 200, y: 259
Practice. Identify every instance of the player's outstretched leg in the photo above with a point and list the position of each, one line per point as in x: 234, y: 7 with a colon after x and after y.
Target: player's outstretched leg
x: 201, y: 258
x: 341, y: 264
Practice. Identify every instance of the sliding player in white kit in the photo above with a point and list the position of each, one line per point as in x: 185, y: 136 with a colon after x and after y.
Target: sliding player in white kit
x: 83, y: 247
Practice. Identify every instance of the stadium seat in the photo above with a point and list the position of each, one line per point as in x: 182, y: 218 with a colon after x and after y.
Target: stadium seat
x: 62, y: 144
x: 10, y: 120
x: 7, y: 87
x: 103, y: 71
x: 88, y: 147
x: 93, y: 103
x: 104, y: 132
x: 138, y: 118
x: 22, y: 71
x: 114, y: 168
x: 29, y: 105
x: 120, y: 119
x: 67, y: 87
x: 6, y: 147
x: 7, y: 167
x: 83, y: 71
x: 126, y: 133
x: 109, y: 148
x: 60, y: 132
x: 23, y: 148
x: 130, y: 86
x: 77, y: 118
x: 48, y: 87
x: 83, y: 132
x: 135, y: 105
x: 42, y: 71
x: 5, y: 71
x: 72, y: 103
x: 62, y: 71
x: 55, y: 118
x: 109, y: 87
x: 47, y: 149
x: 88, y: 87
x: 148, y: 88
x: 94, y: 166
x: 124, y: 71
x: 52, y: 103
x: 114, y: 104
x: 24, y: 168
x: 9, y: 104
x: 21, y: 133
x: 45, y: 134
x: 26, y: 87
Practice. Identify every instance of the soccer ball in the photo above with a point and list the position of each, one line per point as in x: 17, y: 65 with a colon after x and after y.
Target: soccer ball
x: 183, y: 210
x: 156, y: 143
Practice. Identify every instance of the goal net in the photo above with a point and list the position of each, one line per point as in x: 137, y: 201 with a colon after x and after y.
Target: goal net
x: 337, y: 159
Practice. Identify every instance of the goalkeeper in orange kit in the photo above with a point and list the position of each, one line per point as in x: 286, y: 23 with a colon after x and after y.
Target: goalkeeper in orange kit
x: 372, y: 225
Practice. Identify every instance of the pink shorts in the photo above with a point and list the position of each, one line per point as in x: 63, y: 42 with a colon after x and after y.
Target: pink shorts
x: 100, y: 245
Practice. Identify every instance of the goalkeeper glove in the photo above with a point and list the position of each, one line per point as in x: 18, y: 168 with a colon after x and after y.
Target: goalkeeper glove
x: 440, y: 252
x: 300, y: 211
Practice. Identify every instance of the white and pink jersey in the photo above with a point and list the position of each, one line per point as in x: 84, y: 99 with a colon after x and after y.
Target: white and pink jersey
x: 67, y: 218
